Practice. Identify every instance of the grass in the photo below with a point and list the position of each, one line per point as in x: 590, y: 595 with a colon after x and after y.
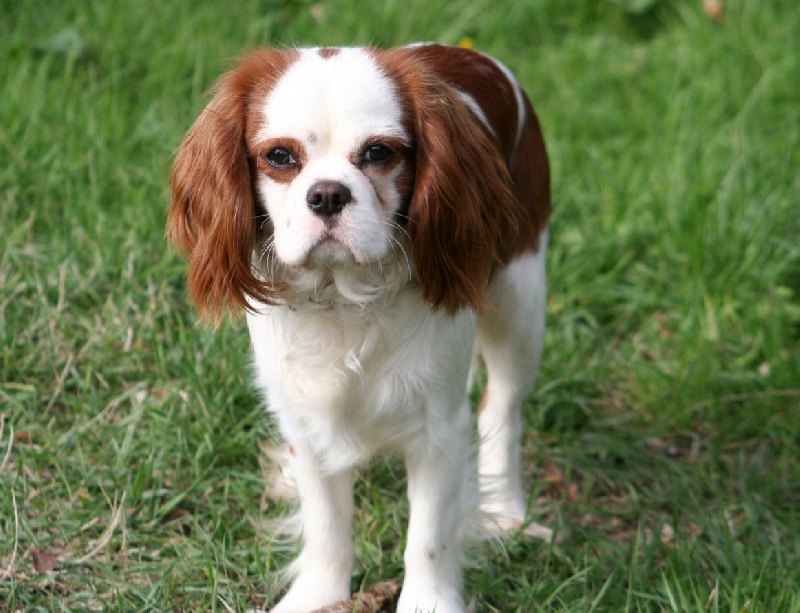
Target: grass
x: 666, y: 423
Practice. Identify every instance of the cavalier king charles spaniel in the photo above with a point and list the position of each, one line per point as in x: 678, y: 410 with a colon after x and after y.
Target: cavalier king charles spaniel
x: 382, y: 218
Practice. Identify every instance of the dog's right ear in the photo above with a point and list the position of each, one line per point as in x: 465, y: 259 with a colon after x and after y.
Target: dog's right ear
x: 212, y: 217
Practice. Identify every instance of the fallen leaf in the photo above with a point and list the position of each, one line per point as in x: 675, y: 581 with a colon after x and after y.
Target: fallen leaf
x: 43, y: 562
x: 552, y: 474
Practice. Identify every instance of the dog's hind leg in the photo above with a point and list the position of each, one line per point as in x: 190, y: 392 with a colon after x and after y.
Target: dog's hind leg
x: 509, y: 341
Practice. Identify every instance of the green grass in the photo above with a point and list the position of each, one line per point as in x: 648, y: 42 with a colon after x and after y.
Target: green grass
x: 666, y: 423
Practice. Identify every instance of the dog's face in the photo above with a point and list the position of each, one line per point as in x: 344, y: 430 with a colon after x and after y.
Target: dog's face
x: 334, y: 157
x: 323, y: 159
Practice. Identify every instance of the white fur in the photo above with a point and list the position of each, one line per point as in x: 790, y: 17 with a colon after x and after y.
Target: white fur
x: 509, y: 341
x: 355, y: 361
x: 351, y: 101
x: 344, y: 385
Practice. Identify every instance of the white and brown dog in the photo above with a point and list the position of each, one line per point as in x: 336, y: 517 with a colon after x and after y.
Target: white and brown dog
x: 382, y: 217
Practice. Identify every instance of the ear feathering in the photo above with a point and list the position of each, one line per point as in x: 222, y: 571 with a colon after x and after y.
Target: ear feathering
x: 463, y: 207
x: 212, y: 217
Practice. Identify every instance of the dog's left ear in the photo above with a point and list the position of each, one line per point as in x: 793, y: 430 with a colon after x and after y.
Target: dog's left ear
x: 462, y: 207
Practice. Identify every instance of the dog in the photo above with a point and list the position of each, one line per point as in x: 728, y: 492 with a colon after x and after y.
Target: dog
x: 382, y: 217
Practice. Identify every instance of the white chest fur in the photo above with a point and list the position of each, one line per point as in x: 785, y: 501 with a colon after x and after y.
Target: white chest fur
x: 351, y: 382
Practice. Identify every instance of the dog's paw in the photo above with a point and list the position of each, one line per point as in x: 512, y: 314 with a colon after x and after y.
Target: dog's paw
x: 309, y: 595
x: 426, y: 598
x: 508, y: 519
x: 503, y: 526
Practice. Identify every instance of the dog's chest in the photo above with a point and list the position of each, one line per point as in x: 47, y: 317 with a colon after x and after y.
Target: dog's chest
x: 354, y: 385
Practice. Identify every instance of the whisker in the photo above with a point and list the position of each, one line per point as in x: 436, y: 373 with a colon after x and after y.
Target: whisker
x: 403, y: 216
x: 396, y: 242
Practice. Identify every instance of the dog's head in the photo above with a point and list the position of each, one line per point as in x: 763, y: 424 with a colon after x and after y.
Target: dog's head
x: 338, y: 158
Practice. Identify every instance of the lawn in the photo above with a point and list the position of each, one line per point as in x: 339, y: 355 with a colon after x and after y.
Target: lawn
x: 664, y: 432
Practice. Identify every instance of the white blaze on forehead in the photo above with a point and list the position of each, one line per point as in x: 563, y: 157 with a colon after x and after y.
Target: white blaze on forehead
x: 342, y: 100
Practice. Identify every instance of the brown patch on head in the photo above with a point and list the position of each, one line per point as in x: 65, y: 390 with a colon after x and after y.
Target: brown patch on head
x: 397, y: 146
x: 282, y: 175
x: 328, y: 52
x: 212, y: 217
x: 376, y: 172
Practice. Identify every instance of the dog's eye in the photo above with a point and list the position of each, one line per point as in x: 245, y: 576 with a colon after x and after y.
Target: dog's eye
x: 280, y: 158
x: 375, y: 154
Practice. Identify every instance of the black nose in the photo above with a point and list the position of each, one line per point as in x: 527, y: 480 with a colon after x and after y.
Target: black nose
x: 328, y: 198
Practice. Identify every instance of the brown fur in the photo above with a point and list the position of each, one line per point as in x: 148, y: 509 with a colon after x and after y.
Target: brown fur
x: 212, y: 218
x: 454, y: 235
x: 477, y: 201
x: 530, y: 172
x: 481, y: 78
x: 328, y: 52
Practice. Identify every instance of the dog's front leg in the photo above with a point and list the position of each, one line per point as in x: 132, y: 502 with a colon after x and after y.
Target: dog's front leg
x: 324, y: 566
x: 438, y: 495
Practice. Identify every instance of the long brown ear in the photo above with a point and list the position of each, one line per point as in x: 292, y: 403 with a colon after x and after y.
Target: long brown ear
x: 212, y: 217
x: 462, y: 209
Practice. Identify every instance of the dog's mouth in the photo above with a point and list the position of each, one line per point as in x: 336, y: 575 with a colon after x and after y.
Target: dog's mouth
x: 330, y: 251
